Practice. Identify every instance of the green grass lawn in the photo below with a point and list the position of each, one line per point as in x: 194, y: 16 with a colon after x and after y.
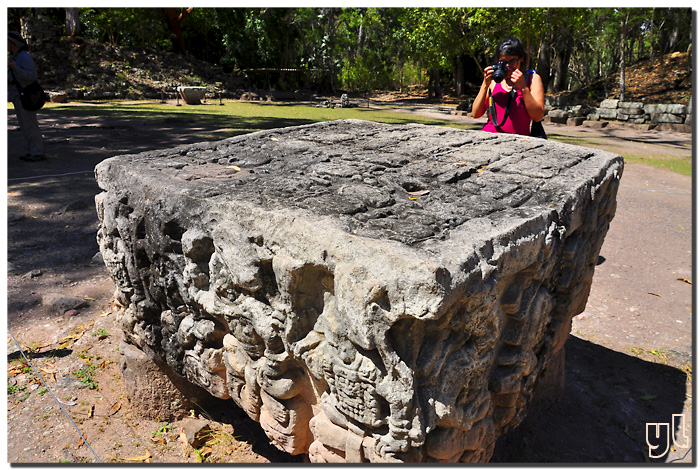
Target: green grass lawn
x: 675, y: 163
x: 248, y: 117
x: 235, y: 118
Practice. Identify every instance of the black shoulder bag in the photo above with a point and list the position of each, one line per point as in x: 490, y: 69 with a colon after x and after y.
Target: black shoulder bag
x: 32, y: 96
x: 537, y: 129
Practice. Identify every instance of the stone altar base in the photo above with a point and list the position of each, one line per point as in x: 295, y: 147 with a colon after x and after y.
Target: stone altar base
x: 192, y: 94
x: 366, y: 292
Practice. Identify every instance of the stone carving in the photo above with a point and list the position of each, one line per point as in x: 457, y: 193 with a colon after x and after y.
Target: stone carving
x: 192, y: 94
x: 366, y: 292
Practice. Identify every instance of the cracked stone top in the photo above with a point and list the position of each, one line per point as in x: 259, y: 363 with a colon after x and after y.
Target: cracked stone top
x: 406, y: 183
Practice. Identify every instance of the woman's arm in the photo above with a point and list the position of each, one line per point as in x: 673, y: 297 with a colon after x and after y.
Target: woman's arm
x: 533, y: 96
x: 24, y: 71
x: 481, y: 104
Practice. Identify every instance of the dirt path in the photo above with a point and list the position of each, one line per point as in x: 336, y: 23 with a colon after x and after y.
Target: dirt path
x: 628, y: 359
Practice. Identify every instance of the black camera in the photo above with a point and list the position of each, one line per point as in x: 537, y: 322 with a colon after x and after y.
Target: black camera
x: 500, y: 70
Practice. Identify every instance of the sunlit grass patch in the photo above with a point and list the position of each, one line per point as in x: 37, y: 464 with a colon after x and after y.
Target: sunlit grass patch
x: 682, y: 165
x: 679, y: 164
x: 234, y: 118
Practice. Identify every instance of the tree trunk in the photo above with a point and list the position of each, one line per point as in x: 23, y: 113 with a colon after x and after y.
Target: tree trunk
x: 651, y: 37
x: 623, y: 40
x: 544, y: 63
x: 434, y: 90
x: 561, y: 63
x: 431, y: 84
x: 459, y: 76
x: 72, y: 22
x: 174, y: 17
x: 328, y: 82
x: 676, y: 31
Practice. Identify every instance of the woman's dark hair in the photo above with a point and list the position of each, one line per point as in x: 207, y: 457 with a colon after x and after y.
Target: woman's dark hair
x: 511, y: 46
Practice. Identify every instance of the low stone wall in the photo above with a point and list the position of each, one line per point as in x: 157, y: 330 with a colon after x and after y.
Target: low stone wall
x: 673, y: 117
x: 366, y: 292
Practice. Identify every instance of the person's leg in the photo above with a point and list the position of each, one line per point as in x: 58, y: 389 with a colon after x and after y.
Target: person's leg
x: 29, y: 125
x: 21, y: 116
x: 36, y: 140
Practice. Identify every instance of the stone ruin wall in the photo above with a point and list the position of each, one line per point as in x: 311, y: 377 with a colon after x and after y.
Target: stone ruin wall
x: 344, y: 342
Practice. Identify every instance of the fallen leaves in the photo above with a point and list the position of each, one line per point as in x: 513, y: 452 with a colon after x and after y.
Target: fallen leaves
x: 414, y: 195
x: 113, y: 410
x: 158, y: 440
x: 141, y: 458
x: 688, y: 369
x: 183, y: 441
x: 203, y: 453
x: 80, y: 331
x: 16, y: 368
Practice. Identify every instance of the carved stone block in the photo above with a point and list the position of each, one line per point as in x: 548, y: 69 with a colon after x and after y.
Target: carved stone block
x: 192, y: 94
x: 366, y: 292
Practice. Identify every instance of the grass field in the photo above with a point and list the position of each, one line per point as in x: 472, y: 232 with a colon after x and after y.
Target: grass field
x: 235, y: 118
x: 640, y: 154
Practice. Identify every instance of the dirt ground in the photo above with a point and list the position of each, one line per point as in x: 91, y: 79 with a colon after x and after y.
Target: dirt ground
x: 628, y: 360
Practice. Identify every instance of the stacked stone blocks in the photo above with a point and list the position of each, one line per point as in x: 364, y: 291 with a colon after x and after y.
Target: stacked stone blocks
x: 674, y: 117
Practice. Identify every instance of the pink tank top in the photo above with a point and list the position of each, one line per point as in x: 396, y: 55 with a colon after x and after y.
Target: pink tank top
x: 518, y: 121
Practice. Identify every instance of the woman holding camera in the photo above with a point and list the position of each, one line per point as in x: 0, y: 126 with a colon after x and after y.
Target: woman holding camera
x: 518, y: 97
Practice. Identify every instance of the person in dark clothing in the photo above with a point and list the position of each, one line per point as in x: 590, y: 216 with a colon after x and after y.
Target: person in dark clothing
x: 21, y: 68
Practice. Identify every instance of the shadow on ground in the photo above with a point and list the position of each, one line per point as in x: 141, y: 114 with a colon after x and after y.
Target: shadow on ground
x: 609, y: 396
x: 601, y: 418
x: 608, y: 399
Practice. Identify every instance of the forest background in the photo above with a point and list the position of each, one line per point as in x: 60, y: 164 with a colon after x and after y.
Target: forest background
x: 364, y: 49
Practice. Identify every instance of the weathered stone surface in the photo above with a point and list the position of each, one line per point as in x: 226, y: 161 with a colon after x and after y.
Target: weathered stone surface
x: 665, y: 109
x: 59, y: 303
x: 631, y: 107
x: 366, y: 292
x: 58, y: 97
x: 607, y: 113
x: 667, y: 118
x: 192, y: 94
x: 558, y: 116
x: 154, y: 391
x: 609, y: 104
x: 196, y: 431
x: 579, y: 110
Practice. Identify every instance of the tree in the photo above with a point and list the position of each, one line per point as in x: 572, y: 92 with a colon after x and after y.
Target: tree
x: 72, y: 22
x: 133, y: 27
x: 436, y: 39
x: 623, y: 38
x: 174, y: 18
x: 381, y: 47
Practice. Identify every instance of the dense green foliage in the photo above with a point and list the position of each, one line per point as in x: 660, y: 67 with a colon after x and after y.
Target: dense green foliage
x: 390, y: 48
